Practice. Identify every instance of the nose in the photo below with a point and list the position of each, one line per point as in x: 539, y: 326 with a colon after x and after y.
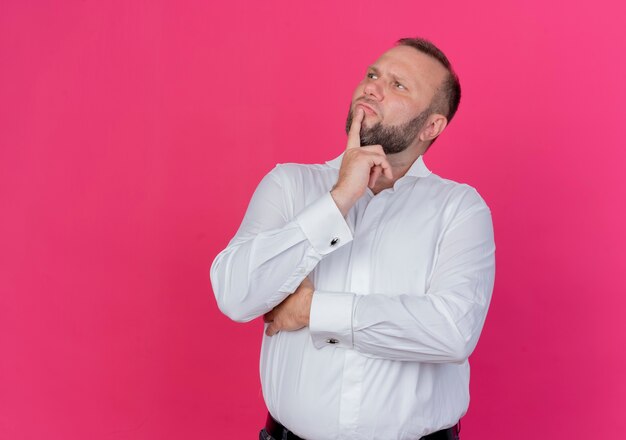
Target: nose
x: 373, y: 90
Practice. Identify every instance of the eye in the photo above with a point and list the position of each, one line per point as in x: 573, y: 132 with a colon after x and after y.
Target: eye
x: 372, y: 75
x: 399, y: 85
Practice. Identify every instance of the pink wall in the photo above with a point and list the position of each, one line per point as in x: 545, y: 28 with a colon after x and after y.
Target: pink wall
x: 132, y: 135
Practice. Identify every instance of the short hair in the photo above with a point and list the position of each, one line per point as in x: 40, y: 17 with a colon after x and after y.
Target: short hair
x: 447, y: 99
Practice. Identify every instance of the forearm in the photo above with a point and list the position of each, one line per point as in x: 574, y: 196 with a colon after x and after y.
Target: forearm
x: 441, y: 324
x: 271, y: 253
x: 251, y: 277
x: 424, y: 328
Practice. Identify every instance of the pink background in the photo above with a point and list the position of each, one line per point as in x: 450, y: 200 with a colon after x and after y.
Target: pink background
x: 132, y: 135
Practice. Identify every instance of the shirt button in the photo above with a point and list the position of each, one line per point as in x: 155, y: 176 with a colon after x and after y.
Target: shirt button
x: 332, y: 341
x: 334, y: 241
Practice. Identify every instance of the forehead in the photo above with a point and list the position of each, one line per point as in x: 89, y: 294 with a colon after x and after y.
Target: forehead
x: 412, y: 65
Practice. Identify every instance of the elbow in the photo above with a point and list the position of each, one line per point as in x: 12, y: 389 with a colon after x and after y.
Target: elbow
x: 460, y: 349
x: 228, y: 302
x: 233, y: 305
x: 460, y: 354
x: 234, y: 299
x: 234, y: 310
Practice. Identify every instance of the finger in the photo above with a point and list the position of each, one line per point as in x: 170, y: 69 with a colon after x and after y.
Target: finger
x: 268, y: 317
x: 375, y: 173
x: 385, y: 165
x: 271, y: 330
x: 387, y: 171
x: 354, y: 135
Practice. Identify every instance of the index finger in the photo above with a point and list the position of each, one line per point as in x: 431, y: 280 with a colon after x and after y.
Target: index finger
x: 354, y: 135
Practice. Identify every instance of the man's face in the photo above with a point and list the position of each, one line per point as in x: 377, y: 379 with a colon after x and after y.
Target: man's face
x: 395, y: 95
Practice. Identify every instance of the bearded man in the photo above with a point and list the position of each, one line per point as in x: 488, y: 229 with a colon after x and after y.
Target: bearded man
x: 373, y: 274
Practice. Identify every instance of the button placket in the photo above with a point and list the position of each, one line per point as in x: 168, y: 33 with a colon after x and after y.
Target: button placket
x: 363, y: 243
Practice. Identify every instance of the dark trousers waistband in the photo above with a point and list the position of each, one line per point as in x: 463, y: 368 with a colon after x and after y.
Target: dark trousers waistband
x: 279, y: 432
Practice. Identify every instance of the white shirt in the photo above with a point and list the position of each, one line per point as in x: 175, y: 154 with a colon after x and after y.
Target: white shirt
x: 402, y: 288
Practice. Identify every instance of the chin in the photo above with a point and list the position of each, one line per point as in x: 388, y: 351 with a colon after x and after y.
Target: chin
x: 367, y: 122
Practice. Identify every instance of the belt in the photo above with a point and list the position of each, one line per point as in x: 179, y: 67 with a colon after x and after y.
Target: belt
x: 279, y: 432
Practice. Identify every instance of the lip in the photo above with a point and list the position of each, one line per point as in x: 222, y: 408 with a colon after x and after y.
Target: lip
x: 368, y: 108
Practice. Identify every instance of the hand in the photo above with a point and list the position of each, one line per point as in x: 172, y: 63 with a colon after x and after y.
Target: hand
x: 360, y: 167
x: 293, y: 313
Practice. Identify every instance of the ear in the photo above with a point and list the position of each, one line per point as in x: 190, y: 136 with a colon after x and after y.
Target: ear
x: 435, y: 124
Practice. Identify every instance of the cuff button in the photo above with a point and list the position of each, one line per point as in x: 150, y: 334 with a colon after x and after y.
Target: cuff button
x: 334, y: 241
x: 332, y: 341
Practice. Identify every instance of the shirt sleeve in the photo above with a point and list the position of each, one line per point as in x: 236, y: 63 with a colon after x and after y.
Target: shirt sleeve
x: 274, y: 250
x: 441, y: 326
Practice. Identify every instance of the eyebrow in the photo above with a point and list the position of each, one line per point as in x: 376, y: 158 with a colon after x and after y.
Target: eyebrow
x: 393, y: 75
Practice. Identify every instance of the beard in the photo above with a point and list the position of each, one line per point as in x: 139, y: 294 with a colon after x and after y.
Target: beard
x: 393, y: 138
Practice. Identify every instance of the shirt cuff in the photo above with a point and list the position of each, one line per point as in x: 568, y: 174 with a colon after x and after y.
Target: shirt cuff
x: 324, y: 226
x: 330, y: 321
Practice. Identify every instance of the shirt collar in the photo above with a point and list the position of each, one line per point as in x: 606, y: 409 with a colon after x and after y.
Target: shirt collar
x: 418, y: 168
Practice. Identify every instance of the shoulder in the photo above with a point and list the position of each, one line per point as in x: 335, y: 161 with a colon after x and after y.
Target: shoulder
x: 295, y: 172
x: 458, y: 202
x: 298, y: 168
